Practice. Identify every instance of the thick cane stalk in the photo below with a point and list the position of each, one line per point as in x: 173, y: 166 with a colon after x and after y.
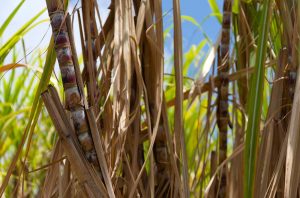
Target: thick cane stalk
x: 222, y: 109
x: 74, y: 100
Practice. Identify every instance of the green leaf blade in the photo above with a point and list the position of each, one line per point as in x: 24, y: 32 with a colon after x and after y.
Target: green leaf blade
x: 255, y: 103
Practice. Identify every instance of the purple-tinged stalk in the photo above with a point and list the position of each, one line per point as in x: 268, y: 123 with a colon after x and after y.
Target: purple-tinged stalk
x: 222, y: 108
x: 73, y: 97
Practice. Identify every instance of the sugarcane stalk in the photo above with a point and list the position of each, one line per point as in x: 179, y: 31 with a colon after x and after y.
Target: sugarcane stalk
x: 73, y: 97
x: 90, y: 55
x: 222, y: 108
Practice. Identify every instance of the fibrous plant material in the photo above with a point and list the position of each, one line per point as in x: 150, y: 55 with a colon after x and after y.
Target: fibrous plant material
x: 255, y: 102
x: 180, y: 147
x: 273, y: 132
x: 223, y: 119
x: 244, y: 46
x: 90, y: 48
x: 74, y: 100
x: 292, y: 176
x: 137, y: 119
x: 89, y: 179
x: 152, y: 62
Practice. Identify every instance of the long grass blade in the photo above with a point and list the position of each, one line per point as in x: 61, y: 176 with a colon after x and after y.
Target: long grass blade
x: 10, y: 17
x: 255, y: 102
x: 35, y: 111
x: 179, y: 127
x: 8, y: 45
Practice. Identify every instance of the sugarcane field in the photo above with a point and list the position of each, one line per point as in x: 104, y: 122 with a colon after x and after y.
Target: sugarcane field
x: 150, y: 98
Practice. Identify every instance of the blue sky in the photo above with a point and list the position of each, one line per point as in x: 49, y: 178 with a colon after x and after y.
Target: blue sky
x: 198, y: 9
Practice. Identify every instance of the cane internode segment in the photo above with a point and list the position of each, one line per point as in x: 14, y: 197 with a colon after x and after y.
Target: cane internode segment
x: 73, y: 97
x: 222, y: 108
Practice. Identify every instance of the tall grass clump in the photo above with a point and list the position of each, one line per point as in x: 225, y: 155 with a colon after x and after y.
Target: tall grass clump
x: 104, y: 111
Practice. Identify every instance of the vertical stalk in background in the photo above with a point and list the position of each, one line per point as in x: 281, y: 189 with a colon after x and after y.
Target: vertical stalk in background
x: 178, y: 125
x: 74, y: 100
x: 222, y: 108
x: 292, y: 173
x: 255, y: 101
x: 88, y: 16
